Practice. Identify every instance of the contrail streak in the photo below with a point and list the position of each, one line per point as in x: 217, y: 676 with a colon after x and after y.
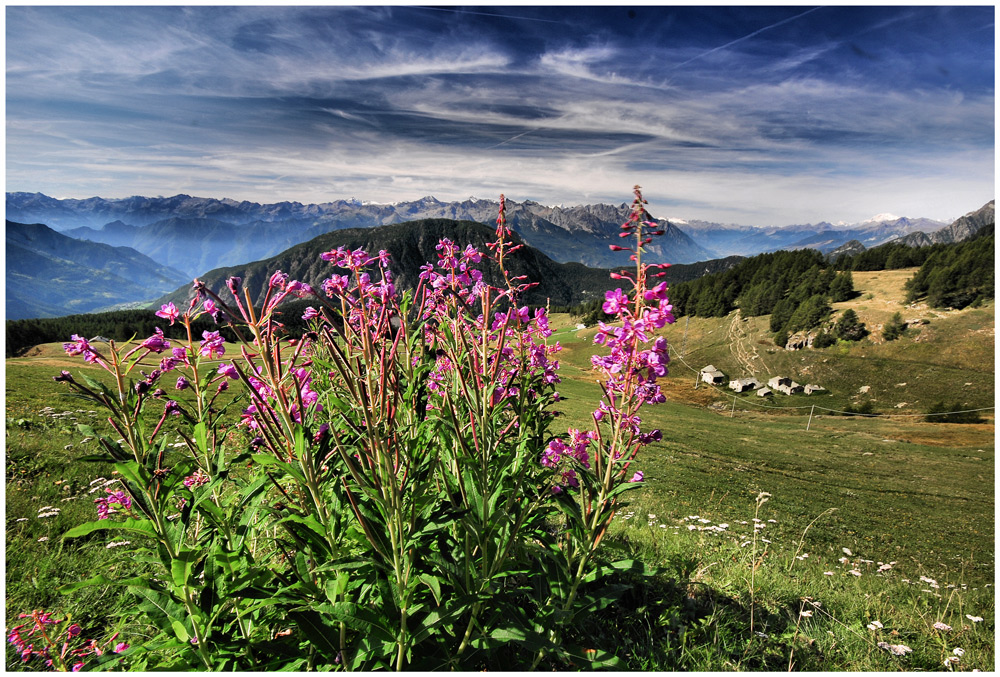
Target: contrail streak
x: 747, y: 37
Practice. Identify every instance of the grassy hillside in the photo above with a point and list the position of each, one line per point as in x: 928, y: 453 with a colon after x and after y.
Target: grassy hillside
x: 950, y: 358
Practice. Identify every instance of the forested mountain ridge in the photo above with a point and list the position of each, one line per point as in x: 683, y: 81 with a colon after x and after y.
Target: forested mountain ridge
x: 412, y: 244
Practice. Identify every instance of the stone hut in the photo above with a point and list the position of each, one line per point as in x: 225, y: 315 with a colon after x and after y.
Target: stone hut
x: 709, y: 374
x: 777, y: 381
x: 790, y: 388
x: 742, y: 385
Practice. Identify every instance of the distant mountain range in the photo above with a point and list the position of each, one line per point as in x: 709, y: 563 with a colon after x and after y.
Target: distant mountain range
x: 190, y: 235
x: 186, y: 232
x: 50, y: 274
x: 195, y: 233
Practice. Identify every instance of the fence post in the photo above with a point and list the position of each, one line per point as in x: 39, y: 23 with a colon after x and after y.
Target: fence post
x: 733, y: 412
x: 810, y: 417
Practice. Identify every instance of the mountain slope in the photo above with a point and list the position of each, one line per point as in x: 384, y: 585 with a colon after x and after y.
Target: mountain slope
x: 412, y: 244
x: 49, y: 274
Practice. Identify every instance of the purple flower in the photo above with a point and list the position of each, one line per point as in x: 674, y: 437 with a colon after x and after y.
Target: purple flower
x: 80, y: 346
x: 172, y: 408
x: 228, y: 370
x: 212, y: 346
x: 196, y: 479
x: 278, y: 280
x: 335, y: 285
x: 310, y: 314
x: 104, y: 505
x: 156, y: 343
x: 615, y: 302
x: 637, y: 477
x: 168, y: 311
x: 183, y: 383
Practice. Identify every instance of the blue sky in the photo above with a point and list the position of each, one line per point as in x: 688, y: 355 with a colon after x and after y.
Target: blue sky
x: 748, y: 114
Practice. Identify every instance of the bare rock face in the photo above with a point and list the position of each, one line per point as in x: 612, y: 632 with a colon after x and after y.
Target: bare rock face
x: 800, y: 340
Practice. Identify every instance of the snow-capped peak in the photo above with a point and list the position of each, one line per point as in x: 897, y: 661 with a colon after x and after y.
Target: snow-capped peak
x: 677, y: 221
x: 880, y: 218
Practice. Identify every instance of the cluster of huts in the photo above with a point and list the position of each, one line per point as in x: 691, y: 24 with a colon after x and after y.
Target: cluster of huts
x: 781, y: 384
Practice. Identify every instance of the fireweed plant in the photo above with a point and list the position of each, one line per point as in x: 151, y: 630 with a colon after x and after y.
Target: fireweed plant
x: 392, y: 496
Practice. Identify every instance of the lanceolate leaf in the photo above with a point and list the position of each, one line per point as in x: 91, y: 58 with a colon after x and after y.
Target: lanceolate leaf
x: 144, y: 527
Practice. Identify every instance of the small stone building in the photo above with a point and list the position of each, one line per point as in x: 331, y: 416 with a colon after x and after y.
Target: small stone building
x: 790, y: 388
x: 742, y: 385
x: 813, y: 388
x: 709, y: 374
x: 777, y: 381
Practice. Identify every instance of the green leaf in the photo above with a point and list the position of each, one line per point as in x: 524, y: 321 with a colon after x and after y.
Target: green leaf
x: 318, y: 632
x: 268, y: 460
x: 145, y: 527
x: 434, y: 584
x: 180, y: 631
x: 133, y: 472
x: 593, y: 659
x: 101, y: 579
x: 201, y: 437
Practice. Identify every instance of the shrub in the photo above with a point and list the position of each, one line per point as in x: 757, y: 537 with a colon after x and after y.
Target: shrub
x: 824, y: 340
x: 894, y: 328
x: 941, y: 412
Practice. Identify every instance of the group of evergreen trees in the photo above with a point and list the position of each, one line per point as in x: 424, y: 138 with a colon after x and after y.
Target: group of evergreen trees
x: 119, y: 325
x: 794, y: 287
x: 956, y: 276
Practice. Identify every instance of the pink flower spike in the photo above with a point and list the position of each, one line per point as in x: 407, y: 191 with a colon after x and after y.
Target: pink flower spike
x: 637, y: 477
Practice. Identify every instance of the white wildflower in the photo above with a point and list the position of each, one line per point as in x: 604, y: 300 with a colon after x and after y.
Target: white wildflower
x: 958, y: 651
x: 895, y: 649
x: 938, y: 625
x: 875, y: 625
x: 974, y: 619
x: 847, y: 551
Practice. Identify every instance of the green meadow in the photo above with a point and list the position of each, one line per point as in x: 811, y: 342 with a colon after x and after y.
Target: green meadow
x: 782, y: 540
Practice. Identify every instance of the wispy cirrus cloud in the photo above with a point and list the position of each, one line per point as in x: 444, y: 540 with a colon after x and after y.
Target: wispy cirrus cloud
x: 722, y: 111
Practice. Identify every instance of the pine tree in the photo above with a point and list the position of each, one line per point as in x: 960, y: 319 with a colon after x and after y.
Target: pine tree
x: 849, y: 327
